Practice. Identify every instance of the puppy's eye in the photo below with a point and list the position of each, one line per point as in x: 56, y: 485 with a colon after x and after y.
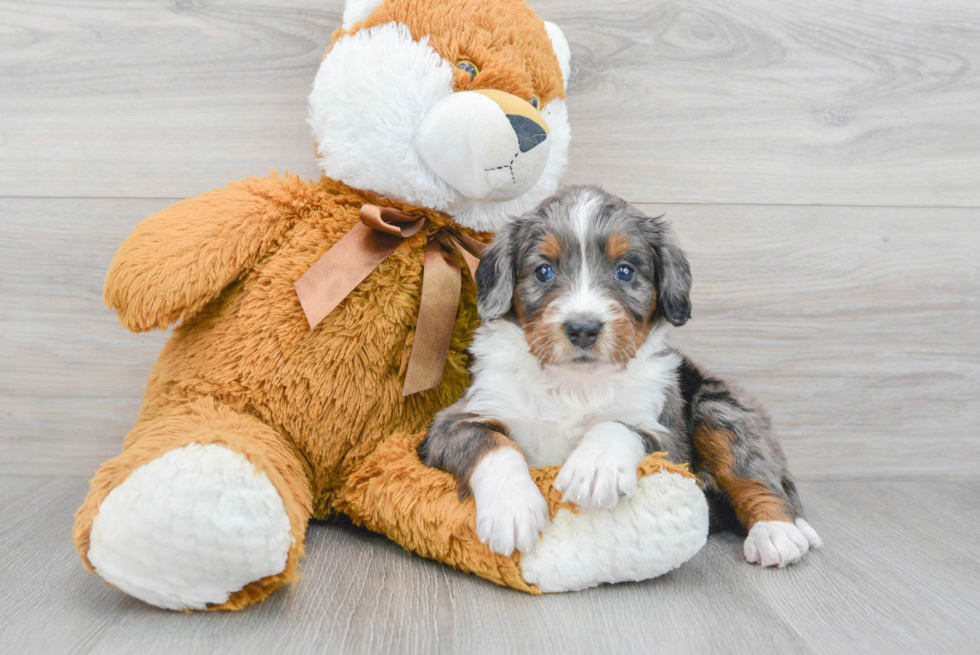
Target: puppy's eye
x: 544, y: 273
x: 534, y: 102
x: 469, y: 67
x: 625, y: 273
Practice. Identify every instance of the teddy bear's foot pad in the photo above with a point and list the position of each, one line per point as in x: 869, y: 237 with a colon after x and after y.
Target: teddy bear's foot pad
x: 190, y: 528
x: 659, y: 528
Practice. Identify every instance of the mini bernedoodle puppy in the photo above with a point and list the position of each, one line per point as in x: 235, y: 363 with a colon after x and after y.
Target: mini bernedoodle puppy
x: 571, y: 368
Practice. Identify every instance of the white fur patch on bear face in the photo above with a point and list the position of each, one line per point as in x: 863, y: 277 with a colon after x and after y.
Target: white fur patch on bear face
x: 471, y: 143
x: 491, y: 216
x: 370, y: 96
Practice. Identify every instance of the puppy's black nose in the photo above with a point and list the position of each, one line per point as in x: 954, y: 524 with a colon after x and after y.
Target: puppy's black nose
x: 583, y: 333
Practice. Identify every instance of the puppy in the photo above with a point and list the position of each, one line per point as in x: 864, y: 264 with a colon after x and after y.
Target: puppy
x: 570, y: 368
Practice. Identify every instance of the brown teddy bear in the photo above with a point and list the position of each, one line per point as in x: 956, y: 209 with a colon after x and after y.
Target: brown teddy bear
x: 320, y: 325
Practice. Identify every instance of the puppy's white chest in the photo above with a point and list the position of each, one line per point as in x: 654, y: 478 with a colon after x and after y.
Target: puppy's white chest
x: 550, y: 440
x: 551, y: 422
x: 548, y: 412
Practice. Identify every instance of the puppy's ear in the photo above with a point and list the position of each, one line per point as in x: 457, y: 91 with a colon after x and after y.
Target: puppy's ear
x: 495, y: 278
x: 673, y: 272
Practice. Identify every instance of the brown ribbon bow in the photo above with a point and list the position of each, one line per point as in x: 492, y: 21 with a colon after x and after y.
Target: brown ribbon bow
x: 361, y: 250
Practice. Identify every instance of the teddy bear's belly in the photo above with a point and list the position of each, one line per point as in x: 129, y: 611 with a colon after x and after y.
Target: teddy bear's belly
x: 334, y: 390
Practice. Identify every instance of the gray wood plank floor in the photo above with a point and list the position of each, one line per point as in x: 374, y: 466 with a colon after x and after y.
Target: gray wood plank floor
x: 894, y: 576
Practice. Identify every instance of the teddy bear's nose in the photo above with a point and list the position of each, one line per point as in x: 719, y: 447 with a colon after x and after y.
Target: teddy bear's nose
x: 486, y: 144
x: 529, y: 133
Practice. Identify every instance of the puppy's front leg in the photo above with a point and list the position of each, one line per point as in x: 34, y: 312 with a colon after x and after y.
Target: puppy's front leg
x: 602, y: 468
x: 510, y: 510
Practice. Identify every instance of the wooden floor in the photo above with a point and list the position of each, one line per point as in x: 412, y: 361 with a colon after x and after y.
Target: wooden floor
x: 821, y: 163
x: 899, y: 575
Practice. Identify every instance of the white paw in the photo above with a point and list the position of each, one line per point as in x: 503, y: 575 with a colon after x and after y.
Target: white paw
x: 190, y: 528
x: 510, y: 510
x: 777, y: 543
x: 602, y: 469
x: 810, y: 533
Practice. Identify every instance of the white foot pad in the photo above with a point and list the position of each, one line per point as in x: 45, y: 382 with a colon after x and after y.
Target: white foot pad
x: 778, y: 543
x: 662, y: 526
x: 190, y: 528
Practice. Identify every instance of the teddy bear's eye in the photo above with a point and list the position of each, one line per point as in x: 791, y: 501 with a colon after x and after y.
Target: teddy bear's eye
x: 468, y: 66
x: 534, y: 102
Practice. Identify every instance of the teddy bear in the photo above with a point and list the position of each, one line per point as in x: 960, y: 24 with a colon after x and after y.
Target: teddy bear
x: 320, y: 325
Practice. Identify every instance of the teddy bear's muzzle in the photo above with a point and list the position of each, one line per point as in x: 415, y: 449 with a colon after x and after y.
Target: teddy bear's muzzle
x: 487, y: 144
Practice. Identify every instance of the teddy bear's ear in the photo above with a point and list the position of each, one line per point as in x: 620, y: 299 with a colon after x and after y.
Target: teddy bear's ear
x: 560, y: 45
x: 357, y: 10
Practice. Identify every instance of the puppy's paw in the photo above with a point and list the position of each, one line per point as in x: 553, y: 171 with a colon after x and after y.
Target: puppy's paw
x: 591, y: 479
x: 810, y: 533
x: 510, y: 510
x: 775, y: 543
x: 602, y: 469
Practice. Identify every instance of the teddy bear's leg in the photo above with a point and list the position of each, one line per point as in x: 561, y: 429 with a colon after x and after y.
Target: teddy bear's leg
x: 205, y: 508
x: 656, y: 530
x: 394, y: 493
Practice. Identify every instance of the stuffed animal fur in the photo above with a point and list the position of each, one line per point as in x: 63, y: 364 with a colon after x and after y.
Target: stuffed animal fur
x: 253, y: 423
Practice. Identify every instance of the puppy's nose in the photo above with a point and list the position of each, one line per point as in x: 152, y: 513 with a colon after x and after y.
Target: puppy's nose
x: 583, y: 333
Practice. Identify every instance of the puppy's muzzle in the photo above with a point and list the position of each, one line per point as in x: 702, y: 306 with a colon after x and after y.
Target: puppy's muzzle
x: 583, y: 334
x: 487, y: 144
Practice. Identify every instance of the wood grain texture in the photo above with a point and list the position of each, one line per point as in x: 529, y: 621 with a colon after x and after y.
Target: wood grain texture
x: 793, y: 102
x: 857, y: 327
x: 734, y: 101
x: 71, y: 378
x: 892, y: 578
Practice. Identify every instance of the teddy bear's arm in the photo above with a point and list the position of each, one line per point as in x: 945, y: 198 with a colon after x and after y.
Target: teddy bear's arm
x: 179, y: 259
